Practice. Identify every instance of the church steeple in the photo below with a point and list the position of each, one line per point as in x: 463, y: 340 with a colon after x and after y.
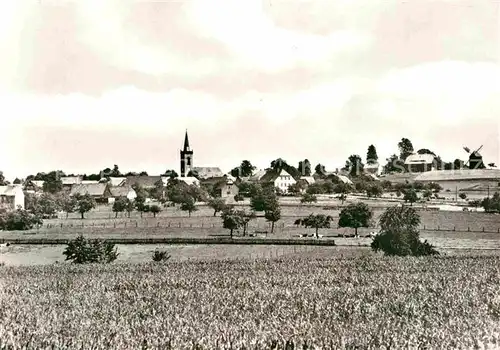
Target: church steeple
x: 186, y: 142
x: 186, y: 157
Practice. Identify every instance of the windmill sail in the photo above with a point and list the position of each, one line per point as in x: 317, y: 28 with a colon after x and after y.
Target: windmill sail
x: 467, y: 149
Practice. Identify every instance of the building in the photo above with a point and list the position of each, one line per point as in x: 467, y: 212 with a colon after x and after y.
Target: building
x: 207, y: 172
x: 475, y: 183
x: 117, y: 181
x: 372, y: 168
x: 186, y: 158
x: 70, y: 181
x: 12, y: 196
x: 100, y: 191
x: 121, y: 191
x: 278, y: 179
x: 418, y: 163
x: 145, y: 181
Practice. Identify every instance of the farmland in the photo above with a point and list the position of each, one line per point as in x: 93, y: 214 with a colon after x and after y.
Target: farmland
x: 442, y: 228
x: 366, y: 301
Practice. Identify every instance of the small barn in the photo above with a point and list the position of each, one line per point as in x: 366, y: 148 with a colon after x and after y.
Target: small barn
x: 99, y: 191
x: 12, y: 196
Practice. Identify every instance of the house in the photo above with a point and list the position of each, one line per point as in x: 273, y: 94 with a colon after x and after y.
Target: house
x: 279, y: 179
x: 257, y: 177
x: 70, y: 181
x: 419, y: 163
x: 475, y: 183
x: 88, y: 182
x: 207, y: 172
x: 188, y: 180
x: 12, y: 196
x: 121, y: 191
x: 33, y: 186
x: 372, y: 168
x: 100, y: 191
x: 117, y: 181
x: 223, y: 186
x: 146, y: 182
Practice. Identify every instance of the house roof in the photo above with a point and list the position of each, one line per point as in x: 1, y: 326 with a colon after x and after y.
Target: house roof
x: 257, y: 176
x: 459, y: 174
x: 344, y: 179
x: 38, y: 183
x: 272, y: 175
x: 71, y: 180
x: 419, y: 159
x: 189, y: 180
x: 117, y: 181
x: 88, y: 182
x: 208, y: 172
x: 144, y: 181
x: 97, y: 189
x: 121, y: 191
x: 10, y: 190
x: 309, y: 179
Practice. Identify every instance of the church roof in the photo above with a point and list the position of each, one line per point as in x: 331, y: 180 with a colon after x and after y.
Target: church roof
x: 186, y: 142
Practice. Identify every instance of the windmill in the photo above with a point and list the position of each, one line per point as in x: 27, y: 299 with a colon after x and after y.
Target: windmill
x: 475, y: 158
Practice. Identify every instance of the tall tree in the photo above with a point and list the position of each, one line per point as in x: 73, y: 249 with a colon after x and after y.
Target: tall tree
x: 394, y: 165
x: 405, y: 148
x: 217, y: 204
x: 171, y: 174
x: 371, y: 155
x: 354, y: 165
x: 304, y: 167
x: 245, y: 169
x: 320, y: 170
x: 115, y: 172
x: 273, y: 213
x: 84, y: 204
x: 120, y: 205
x: 52, y: 182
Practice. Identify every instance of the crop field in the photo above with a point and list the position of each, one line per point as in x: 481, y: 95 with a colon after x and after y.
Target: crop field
x: 350, y: 302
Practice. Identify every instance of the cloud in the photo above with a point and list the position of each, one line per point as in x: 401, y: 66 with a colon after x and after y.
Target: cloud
x: 256, y: 41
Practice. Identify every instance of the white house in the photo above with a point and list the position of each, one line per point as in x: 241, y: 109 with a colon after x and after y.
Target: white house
x: 121, y: 191
x: 281, y: 180
x: 12, y: 196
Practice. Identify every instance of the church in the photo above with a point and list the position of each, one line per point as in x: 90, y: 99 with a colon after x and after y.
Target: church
x: 187, y: 164
x: 223, y: 184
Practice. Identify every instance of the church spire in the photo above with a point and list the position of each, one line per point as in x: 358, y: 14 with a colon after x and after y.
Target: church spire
x: 186, y: 142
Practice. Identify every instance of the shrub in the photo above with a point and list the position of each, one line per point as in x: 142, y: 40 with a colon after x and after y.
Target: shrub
x: 238, y: 198
x: 82, y: 250
x: 399, y: 234
x: 160, y: 255
x: 18, y: 220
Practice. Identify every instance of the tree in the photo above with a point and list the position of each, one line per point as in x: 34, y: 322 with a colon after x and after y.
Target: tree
x: 66, y: 203
x: 272, y: 213
x: 82, y: 251
x: 399, y: 233
x: 139, y: 190
x: 426, y: 151
x: 245, y: 218
x: 140, y: 204
x: 308, y: 198
x: 155, y: 209
x: 120, y: 205
x: 296, y: 188
x: 355, y: 215
x: 52, y: 182
x: 394, y: 165
x: 18, y: 220
x: 158, y: 191
x: 244, y: 170
x: 405, y: 148
x: 115, y: 172
x: 371, y: 155
x: 491, y: 205
x: 374, y: 190
x: 46, y: 205
x: 3, y: 182
x: 129, y: 208
x: 188, y: 205
x: 343, y: 189
x: 304, y: 167
x: 262, y: 199
x: 320, y: 170
x: 427, y: 194
x: 410, y: 195
x: 84, y: 204
x: 354, y: 165
x: 171, y: 174
x: 231, y: 220
x: 217, y: 204
x: 463, y: 196
x: 316, y: 221
x: 17, y: 181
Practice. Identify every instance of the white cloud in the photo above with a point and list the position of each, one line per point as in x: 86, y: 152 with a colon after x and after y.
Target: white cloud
x: 257, y: 42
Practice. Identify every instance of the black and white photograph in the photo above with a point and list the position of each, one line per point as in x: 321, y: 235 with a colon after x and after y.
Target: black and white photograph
x: 249, y: 174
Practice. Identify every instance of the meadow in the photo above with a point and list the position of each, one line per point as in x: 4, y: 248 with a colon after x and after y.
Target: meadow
x: 366, y: 301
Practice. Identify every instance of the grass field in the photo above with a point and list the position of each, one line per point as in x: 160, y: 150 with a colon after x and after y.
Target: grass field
x: 363, y: 301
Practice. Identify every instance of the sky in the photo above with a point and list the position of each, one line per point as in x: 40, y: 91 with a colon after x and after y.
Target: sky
x: 88, y: 84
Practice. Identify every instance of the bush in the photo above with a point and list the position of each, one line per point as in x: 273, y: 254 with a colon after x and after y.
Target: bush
x: 82, y: 250
x: 160, y: 255
x: 399, y: 234
x: 238, y: 198
x: 18, y: 220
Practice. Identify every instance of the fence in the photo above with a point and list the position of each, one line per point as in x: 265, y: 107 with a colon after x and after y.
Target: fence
x: 204, y: 225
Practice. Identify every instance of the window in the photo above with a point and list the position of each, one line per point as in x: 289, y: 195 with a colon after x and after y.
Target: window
x: 188, y: 161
